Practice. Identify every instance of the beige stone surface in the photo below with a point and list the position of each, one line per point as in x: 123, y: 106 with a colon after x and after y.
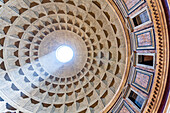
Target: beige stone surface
x: 34, y: 81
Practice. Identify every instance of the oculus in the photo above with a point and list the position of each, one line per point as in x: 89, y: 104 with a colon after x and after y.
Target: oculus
x: 64, y: 53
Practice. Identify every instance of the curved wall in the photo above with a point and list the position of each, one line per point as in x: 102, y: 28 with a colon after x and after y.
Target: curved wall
x: 145, y: 75
x: 147, y: 83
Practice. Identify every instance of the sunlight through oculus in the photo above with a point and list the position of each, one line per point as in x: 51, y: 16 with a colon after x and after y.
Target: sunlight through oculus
x: 64, y: 54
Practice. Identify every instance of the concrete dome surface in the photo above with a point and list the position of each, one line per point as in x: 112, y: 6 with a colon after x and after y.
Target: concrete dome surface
x: 84, y: 56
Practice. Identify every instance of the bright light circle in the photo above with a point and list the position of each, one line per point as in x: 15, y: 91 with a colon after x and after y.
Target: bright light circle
x: 64, y: 54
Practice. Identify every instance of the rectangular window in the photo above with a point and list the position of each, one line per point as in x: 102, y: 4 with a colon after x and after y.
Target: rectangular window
x: 145, y: 60
x: 136, y: 99
x: 141, y: 18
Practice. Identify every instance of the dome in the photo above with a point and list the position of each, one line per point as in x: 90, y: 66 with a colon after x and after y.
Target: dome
x: 83, y: 56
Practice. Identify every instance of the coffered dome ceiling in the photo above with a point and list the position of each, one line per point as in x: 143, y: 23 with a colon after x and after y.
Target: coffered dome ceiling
x: 33, y: 80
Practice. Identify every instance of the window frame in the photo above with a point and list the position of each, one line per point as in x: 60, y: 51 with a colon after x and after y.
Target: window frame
x: 143, y: 65
x: 138, y: 13
x: 144, y: 103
